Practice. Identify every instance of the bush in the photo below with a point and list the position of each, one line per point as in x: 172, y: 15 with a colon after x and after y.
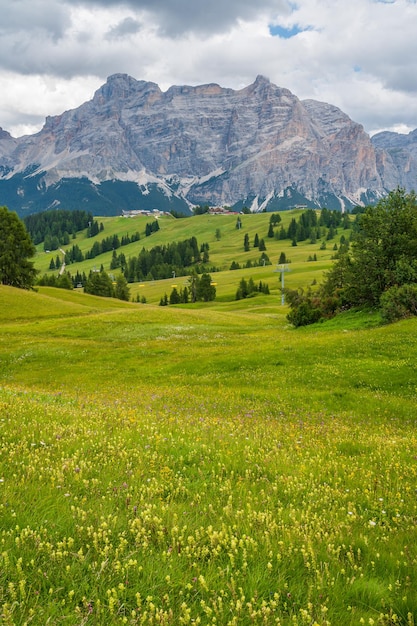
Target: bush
x: 304, y: 314
x: 399, y: 303
x: 310, y: 308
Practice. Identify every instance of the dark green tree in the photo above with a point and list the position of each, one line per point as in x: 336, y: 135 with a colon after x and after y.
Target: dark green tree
x: 193, y: 282
x: 200, y: 210
x: 264, y: 259
x: 246, y: 243
x: 16, y: 248
x: 64, y: 281
x: 275, y: 219
x: 292, y: 229
x: 282, y: 234
x: 242, y: 290
x: 251, y: 286
x: 174, y: 297
x: 99, y: 284
x: 383, y: 253
x: 206, y: 290
x: 121, y: 289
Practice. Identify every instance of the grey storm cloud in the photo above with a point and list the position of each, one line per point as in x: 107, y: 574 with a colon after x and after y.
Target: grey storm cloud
x: 128, y: 26
x: 34, y: 15
x: 176, y: 17
x: 360, y: 55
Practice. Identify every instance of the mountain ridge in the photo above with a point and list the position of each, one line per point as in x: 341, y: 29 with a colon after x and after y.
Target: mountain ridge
x: 133, y: 145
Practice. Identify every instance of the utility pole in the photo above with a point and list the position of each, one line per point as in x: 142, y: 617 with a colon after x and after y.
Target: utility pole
x: 282, y: 269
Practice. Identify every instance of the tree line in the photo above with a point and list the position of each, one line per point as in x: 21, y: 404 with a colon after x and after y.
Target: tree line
x: 56, y: 227
x: 309, y: 225
x: 198, y: 288
x: 97, y: 283
x: 163, y: 261
x: 248, y: 288
x: 378, y: 270
x: 113, y: 242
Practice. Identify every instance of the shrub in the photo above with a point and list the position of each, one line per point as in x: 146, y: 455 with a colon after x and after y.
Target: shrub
x: 304, y: 313
x: 399, y: 302
x: 310, y: 308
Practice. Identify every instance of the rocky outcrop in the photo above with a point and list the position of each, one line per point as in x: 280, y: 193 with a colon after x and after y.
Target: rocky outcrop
x: 260, y: 146
x: 397, y: 159
x: 7, y: 147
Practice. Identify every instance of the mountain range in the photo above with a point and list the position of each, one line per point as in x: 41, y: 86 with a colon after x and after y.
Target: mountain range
x: 133, y: 146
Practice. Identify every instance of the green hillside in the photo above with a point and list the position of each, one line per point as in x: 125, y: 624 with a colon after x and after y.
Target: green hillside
x: 225, y: 247
x: 205, y: 463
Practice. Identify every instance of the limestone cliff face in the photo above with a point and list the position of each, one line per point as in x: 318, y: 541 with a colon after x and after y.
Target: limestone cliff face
x: 7, y: 147
x: 397, y: 159
x: 260, y: 146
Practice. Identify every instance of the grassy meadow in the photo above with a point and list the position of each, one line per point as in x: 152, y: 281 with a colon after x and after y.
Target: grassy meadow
x: 205, y: 464
x: 222, y: 251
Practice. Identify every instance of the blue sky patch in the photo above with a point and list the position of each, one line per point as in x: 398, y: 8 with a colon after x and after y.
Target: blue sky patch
x: 285, y: 33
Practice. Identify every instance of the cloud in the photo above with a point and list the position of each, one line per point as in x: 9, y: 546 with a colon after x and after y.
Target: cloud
x: 128, y: 26
x: 360, y: 55
x: 26, y: 102
x: 30, y: 16
x: 198, y: 16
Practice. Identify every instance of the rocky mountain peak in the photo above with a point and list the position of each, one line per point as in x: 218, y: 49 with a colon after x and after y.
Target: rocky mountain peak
x: 397, y: 158
x: 4, y: 135
x: 7, y: 145
x: 259, y: 146
x: 122, y: 86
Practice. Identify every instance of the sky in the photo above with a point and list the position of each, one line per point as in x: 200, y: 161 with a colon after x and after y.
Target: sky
x: 360, y: 55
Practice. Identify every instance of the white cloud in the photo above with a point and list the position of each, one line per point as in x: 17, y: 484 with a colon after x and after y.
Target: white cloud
x: 360, y: 55
x: 26, y: 101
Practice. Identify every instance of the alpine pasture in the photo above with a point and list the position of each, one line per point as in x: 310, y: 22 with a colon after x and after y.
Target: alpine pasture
x: 205, y: 463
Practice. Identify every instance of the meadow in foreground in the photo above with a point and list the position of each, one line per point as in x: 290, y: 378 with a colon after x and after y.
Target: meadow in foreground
x: 204, y: 466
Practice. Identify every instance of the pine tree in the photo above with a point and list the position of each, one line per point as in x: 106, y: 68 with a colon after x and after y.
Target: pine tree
x: 174, y: 297
x: 99, y: 284
x: 206, y: 290
x: 121, y: 290
x: 16, y: 248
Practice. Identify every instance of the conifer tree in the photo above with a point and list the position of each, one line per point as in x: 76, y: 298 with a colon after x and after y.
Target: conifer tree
x: 16, y: 248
